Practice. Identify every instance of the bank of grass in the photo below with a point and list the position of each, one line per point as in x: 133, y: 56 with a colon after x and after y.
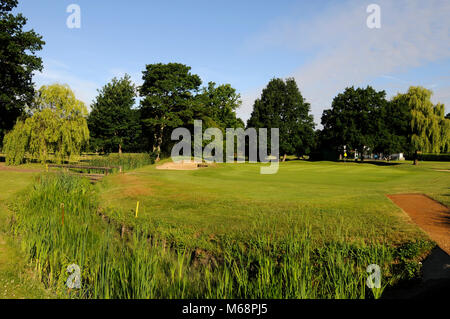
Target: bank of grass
x: 17, y: 280
x: 309, y: 231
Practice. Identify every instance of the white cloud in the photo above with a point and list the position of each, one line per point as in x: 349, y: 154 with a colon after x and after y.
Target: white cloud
x: 57, y: 72
x: 347, y: 52
x: 248, y: 99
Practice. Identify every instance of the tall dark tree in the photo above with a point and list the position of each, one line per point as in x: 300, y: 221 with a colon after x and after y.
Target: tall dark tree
x: 282, y: 106
x: 297, y: 129
x: 17, y: 64
x: 393, y: 128
x: 113, y: 123
x: 353, y: 119
x: 168, y: 101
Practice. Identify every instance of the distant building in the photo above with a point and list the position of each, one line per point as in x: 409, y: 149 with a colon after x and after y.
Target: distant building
x: 397, y: 157
x: 381, y: 156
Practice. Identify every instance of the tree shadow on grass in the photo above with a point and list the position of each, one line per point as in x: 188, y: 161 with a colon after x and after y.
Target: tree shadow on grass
x: 435, y: 281
x: 379, y: 163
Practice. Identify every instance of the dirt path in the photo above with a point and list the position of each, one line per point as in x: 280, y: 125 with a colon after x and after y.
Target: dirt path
x: 431, y: 216
x: 92, y: 177
x: 3, y: 167
x: 434, y: 219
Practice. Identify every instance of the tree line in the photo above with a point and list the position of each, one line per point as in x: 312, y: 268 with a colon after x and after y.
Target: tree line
x: 52, y: 120
x: 171, y: 97
x: 363, y: 119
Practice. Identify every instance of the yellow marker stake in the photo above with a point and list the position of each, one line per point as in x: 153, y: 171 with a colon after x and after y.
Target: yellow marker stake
x: 46, y: 167
x: 137, y: 208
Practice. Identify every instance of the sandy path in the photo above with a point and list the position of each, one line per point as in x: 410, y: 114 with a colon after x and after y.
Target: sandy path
x: 3, y: 167
x: 431, y: 216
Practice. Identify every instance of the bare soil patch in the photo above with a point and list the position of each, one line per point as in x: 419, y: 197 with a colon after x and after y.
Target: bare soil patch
x: 428, y: 214
x: 3, y: 167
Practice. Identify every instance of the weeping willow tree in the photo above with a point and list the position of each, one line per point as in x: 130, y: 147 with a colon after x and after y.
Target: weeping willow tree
x: 56, y: 125
x: 16, y: 143
x: 429, y: 129
x: 444, y: 125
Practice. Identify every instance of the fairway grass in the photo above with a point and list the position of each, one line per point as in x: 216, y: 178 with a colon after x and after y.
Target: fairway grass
x: 234, y: 200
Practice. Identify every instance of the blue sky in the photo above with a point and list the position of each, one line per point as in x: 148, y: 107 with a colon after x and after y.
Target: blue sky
x: 325, y: 45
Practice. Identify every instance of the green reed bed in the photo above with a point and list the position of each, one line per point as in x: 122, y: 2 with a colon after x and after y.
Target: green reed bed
x: 128, y: 161
x: 141, y: 265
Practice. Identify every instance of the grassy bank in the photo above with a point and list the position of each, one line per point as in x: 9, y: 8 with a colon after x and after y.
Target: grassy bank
x: 227, y: 232
x: 17, y: 280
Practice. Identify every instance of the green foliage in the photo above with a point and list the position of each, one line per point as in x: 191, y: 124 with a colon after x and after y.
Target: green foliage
x: 16, y: 143
x: 409, y: 123
x: 17, y: 64
x: 429, y: 130
x: 393, y: 128
x: 113, y: 123
x: 425, y: 135
x: 127, y: 161
x: 219, y: 104
x: 408, y: 254
x: 168, y: 92
x: 352, y: 119
x: 444, y: 126
x: 57, y: 125
x: 172, y: 98
x: 282, y: 106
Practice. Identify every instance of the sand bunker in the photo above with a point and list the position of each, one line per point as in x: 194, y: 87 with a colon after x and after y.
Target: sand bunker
x: 182, y: 166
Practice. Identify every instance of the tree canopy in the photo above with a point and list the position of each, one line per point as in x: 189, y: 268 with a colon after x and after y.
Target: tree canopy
x: 217, y: 105
x: 428, y: 129
x: 353, y: 119
x: 172, y: 97
x: 282, y: 106
x: 168, y: 99
x: 113, y: 123
x: 56, y: 124
x: 393, y: 128
x: 17, y: 64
